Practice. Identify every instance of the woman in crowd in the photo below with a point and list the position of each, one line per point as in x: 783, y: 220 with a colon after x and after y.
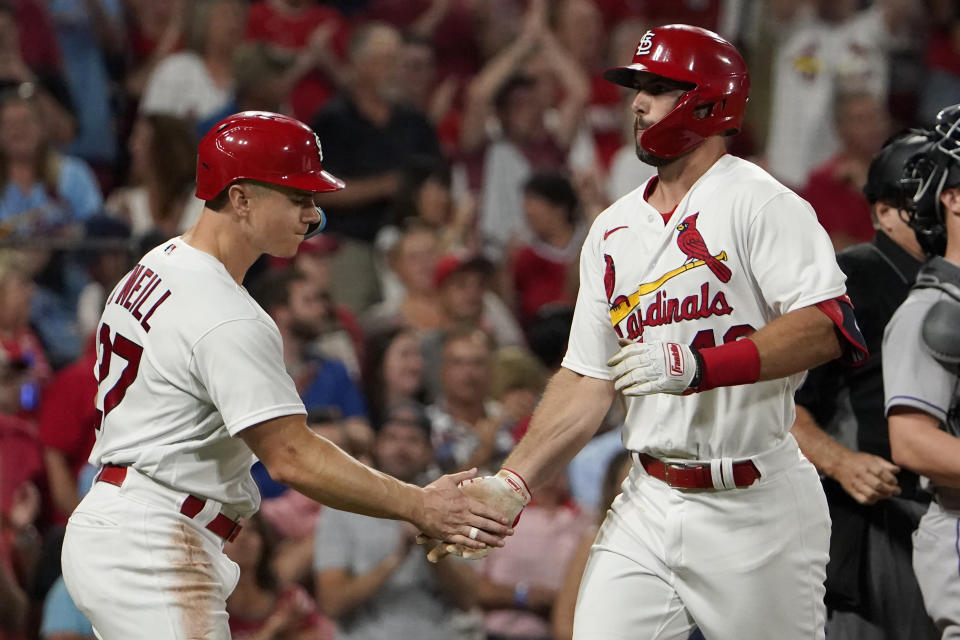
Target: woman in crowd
x: 393, y: 371
x: 162, y: 167
x: 260, y: 608
x: 40, y: 189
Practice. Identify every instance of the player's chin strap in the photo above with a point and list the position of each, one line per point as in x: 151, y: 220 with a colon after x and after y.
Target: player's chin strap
x: 316, y: 227
x: 940, y: 326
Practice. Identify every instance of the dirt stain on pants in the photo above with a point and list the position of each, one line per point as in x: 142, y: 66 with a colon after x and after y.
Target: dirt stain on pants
x: 196, y: 588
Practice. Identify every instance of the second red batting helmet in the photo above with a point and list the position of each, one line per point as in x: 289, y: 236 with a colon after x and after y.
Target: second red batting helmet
x: 714, y: 67
x: 263, y: 146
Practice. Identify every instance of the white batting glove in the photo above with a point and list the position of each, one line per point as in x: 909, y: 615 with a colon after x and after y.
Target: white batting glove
x: 507, y: 492
x: 644, y: 368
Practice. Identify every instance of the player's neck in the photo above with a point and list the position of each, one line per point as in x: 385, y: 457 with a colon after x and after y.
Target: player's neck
x: 211, y: 237
x: 677, y: 177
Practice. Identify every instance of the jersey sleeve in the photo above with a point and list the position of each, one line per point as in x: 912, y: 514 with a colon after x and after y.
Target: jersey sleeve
x: 791, y: 256
x: 911, y: 376
x: 240, y: 364
x: 592, y: 339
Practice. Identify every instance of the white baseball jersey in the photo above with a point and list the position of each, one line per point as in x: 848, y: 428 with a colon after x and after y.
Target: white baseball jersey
x: 187, y: 360
x: 739, y: 250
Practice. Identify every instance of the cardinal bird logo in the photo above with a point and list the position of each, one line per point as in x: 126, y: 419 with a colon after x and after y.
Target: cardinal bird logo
x: 609, y: 276
x: 691, y: 243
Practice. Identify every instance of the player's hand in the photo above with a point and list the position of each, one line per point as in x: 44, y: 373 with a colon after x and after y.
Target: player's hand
x: 866, y: 477
x: 644, y: 368
x: 506, y: 492
x: 450, y: 515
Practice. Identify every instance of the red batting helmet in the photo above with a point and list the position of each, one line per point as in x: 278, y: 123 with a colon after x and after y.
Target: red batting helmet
x: 263, y: 146
x: 703, y: 59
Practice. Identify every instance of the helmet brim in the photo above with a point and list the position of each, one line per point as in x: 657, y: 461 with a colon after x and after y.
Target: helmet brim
x: 625, y: 76
x: 316, y: 182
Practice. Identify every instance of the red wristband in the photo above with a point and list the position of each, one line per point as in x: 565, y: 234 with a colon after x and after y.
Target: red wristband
x: 730, y: 364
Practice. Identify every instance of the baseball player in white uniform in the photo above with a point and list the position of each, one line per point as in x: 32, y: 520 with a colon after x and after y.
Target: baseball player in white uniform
x: 704, y: 296
x: 192, y: 385
x: 921, y: 371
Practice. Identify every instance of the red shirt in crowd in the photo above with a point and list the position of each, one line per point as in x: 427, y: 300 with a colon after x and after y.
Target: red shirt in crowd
x: 538, y: 280
x: 292, y: 31
x: 67, y: 414
x: 840, y: 205
x: 310, y: 620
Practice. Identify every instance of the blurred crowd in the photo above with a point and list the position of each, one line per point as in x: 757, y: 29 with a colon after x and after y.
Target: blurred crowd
x: 478, y: 142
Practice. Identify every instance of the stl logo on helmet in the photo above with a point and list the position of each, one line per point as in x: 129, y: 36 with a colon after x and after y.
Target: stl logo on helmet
x: 646, y: 43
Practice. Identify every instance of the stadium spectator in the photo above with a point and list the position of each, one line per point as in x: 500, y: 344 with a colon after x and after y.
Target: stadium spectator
x: 517, y: 87
x: 544, y: 270
x: 68, y: 421
x: 297, y: 307
x: 393, y: 372
x: 91, y: 35
x: 35, y: 65
x: 341, y: 337
x: 371, y: 577
x: 426, y: 195
x: 198, y: 84
x: 580, y: 30
x: 413, y: 302
x: 18, y: 341
x: 261, y: 607
x: 42, y: 189
x: 313, y: 38
x: 831, y: 47
x: 103, y: 263
x: 835, y: 188
x: 517, y: 586
x: 154, y: 31
x: 421, y: 90
x: 368, y: 139
x: 261, y: 74
x: 467, y: 425
x: 517, y: 381
x: 21, y: 469
x: 463, y: 282
x: 163, y: 154
x: 451, y: 28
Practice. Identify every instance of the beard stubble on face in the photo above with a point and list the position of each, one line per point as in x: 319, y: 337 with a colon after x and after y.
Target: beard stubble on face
x: 642, y: 154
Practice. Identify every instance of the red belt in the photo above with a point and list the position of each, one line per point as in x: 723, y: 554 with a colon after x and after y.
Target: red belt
x: 223, y: 526
x: 696, y: 475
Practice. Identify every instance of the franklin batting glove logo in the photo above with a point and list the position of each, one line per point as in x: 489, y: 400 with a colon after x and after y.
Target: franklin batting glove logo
x: 674, y: 358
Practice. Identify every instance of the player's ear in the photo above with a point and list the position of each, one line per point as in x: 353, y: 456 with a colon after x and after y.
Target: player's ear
x: 950, y: 198
x: 239, y: 195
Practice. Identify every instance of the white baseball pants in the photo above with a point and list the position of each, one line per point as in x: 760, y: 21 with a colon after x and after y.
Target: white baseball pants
x: 138, y: 568
x: 743, y: 563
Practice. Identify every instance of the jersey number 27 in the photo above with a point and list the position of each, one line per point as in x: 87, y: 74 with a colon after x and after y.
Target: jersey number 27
x: 129, y: 351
